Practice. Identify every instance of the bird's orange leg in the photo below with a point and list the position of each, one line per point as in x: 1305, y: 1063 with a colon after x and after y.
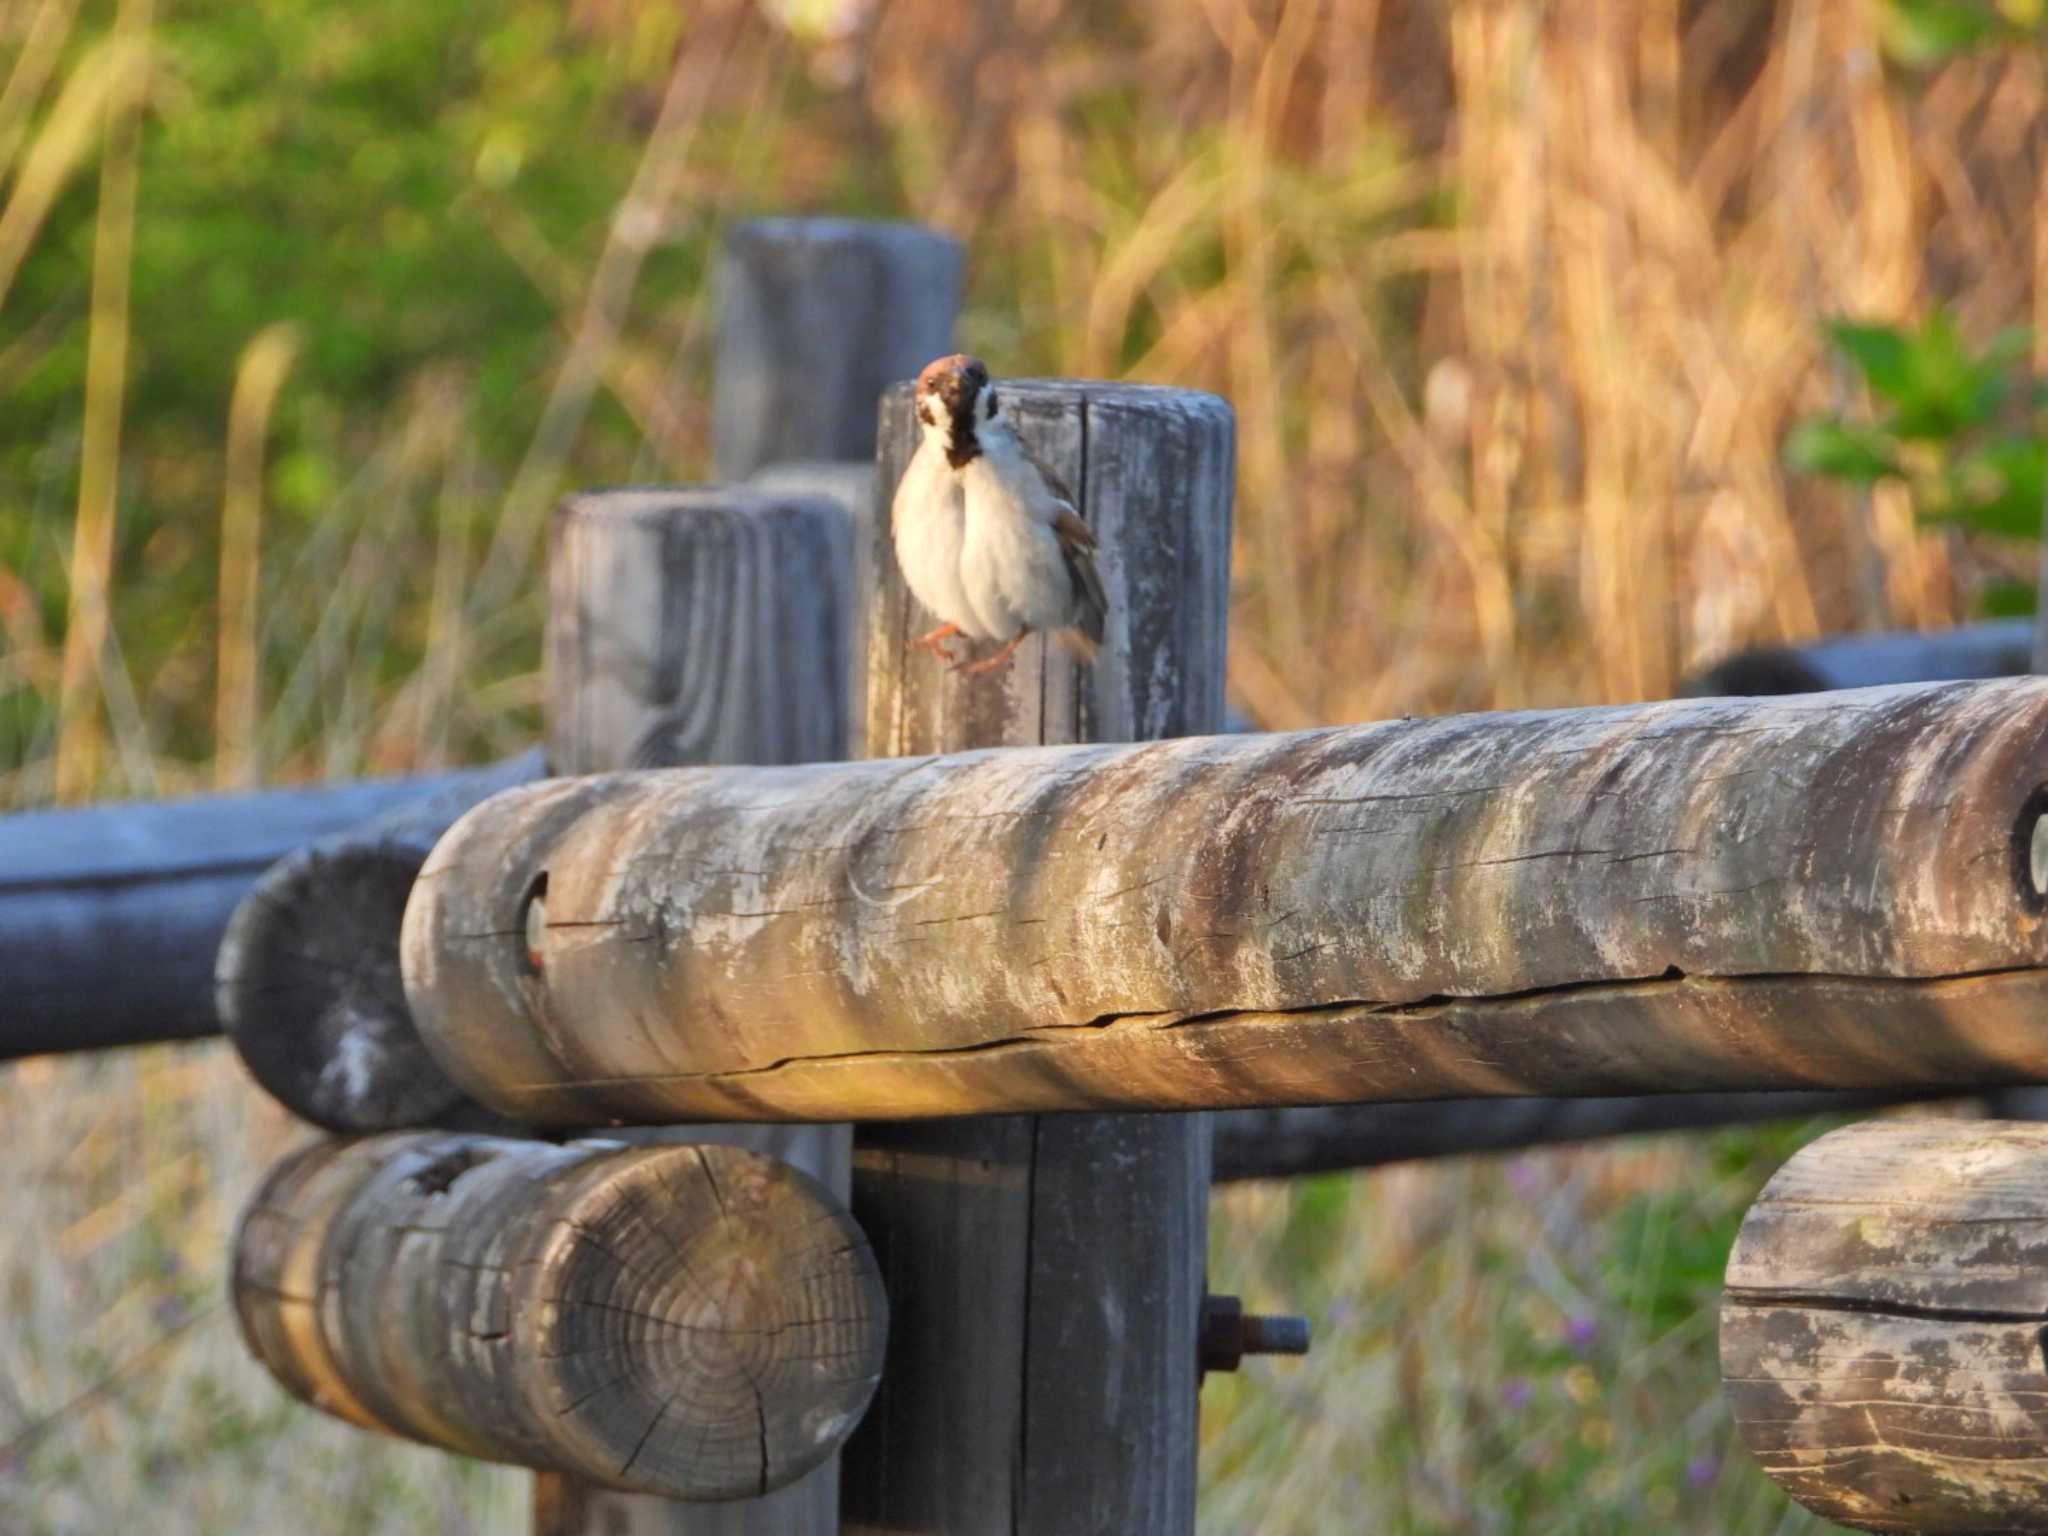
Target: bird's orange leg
x: 934, y: 642
x: 990, y: 663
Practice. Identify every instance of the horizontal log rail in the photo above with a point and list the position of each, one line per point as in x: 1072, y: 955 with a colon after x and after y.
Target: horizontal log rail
x: 700, y: 1322
x: 1841, y: 890
x: 1287, y: 1143
x: 1997, y: 648
x: 1882, y: 1339
x: 109, y: 914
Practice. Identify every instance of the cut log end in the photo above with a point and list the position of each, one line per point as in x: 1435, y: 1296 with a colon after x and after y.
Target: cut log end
x: 1882, y: 1342
x: 307, y: 981
x: 709, y: 1329
x: 700, y: 1322
x: 309, y: 989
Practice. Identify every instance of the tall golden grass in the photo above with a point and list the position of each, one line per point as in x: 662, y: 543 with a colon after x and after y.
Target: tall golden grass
x: 1514, y: 301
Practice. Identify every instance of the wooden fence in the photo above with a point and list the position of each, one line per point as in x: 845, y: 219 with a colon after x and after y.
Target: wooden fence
x: 871, y: 1234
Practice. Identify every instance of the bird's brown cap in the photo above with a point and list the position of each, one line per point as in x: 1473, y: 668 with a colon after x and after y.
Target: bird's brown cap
x: 944, y: 375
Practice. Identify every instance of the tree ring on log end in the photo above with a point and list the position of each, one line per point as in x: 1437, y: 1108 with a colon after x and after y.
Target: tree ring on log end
x: 701, y: 1323
x: 703, y: 1333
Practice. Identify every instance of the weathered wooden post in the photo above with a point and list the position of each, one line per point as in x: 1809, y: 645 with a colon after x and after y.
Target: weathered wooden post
x: 851, y: 485
x: 816, y: 317
x: 307, y: 980
x: 1883, y: 1348
x: 1052, y: 1267
x: 701, y: 626
x: 702, y: 1322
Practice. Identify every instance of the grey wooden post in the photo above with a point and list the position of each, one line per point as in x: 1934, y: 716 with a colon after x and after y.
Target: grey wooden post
x: 700, y: 626
x: 815, y: 318
x: 1046, y: 1273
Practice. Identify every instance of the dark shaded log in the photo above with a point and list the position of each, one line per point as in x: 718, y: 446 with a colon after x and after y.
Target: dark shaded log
x: 1837, y: 890
x: 706, y: 626
x: 307, y: 981
x: 1055, y: 1265
x: 1882, y: 1338
x: 702, y: 1322
x: 110, y: 915
x: 1282, y: 1143
x: 815, y: 318
x: 1998, y: 649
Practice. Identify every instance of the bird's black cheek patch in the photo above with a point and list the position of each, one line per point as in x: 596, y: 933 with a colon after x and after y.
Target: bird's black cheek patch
x: 924, y: 413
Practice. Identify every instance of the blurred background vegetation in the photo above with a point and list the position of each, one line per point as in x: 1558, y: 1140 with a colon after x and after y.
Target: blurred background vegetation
x: 1571, y: 346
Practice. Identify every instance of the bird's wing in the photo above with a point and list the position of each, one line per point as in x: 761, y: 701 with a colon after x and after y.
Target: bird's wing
x: 1053, y: 482
x: 1077, y: 547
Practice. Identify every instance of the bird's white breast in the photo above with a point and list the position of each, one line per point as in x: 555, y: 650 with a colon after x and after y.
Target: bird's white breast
x: 927, y: 521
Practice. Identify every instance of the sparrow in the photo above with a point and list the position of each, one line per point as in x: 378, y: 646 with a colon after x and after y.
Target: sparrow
x: 987, y: 537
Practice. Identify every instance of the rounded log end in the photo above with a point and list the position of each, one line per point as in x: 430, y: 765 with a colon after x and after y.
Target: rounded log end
x: 308, y: 986
x: 474, y: 944
x: 715, y: 1318
x: 1882, y: 1350
x: 701, y: 1323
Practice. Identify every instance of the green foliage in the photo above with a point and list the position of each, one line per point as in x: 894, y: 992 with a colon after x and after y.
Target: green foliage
x: 1925, y: 33
x: 419, y: 189
x: 1964, y: 428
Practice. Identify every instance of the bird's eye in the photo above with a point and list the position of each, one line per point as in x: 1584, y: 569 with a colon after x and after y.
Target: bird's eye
x: 991, y: 405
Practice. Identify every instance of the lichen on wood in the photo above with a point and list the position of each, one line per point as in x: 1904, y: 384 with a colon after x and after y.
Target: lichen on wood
x: 1884, y: 1327
x: 1817, y: 891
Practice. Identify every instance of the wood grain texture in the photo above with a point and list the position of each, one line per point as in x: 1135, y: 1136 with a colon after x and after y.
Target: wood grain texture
x: 851, y: 488
x: 670, y: 609
x: 1882, y: 1332
x: 708, y: 627
x: 1055, y: 1264
x: 110, y: 914
x: 815, y: 318
x: 1152, y: 469
x: 1827, y: 891
x: 306, y: 979
x: 703, y: 1322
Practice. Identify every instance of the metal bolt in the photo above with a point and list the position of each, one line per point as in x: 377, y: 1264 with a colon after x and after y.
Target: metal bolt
x: 1228, y: 1334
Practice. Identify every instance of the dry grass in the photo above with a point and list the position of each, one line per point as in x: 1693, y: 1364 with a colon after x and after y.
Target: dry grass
x: 1514, y: 302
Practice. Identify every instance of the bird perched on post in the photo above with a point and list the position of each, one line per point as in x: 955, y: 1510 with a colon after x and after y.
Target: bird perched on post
x: 987, y: 537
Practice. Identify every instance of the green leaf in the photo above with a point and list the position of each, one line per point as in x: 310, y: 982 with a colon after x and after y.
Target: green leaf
x: 1837, y: 449
x: 1881, y: 351
x: 2006, y: 600
x: 1928, y: 32
x: 1998, y: 489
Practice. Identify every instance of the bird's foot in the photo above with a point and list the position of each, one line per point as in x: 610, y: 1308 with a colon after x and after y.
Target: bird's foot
x: 935, y: 642
x: 988, y: 663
